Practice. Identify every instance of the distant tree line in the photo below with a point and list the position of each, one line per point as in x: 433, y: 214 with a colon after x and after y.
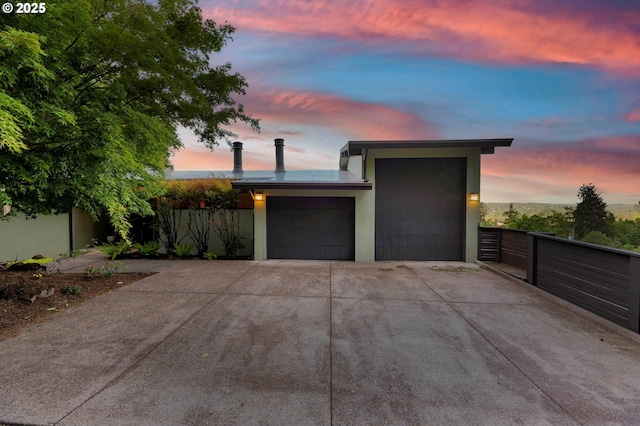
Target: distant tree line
x: 589, y: 221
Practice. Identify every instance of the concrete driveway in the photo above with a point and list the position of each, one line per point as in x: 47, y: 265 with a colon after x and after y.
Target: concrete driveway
x: 319, y: 343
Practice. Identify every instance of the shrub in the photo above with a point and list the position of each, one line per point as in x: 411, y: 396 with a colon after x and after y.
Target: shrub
x: 183, y: 250
x: 597, y: 237
x: 115, y: 250
x: 71, y: 289
x: 149, y: 248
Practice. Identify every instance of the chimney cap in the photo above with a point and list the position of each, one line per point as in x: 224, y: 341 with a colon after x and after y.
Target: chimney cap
x: 279, y: 141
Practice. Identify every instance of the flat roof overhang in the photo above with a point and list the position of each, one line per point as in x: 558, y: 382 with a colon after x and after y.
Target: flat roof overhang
x: 300, y: 179
x: 487, y: 146
x: 248, y: 185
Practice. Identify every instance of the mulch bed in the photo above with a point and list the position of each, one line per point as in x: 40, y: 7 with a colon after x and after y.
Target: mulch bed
x: 27, y: 297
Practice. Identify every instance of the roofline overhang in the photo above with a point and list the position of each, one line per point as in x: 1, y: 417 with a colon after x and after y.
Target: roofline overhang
x: 487, y: 146
x: 244, y: 185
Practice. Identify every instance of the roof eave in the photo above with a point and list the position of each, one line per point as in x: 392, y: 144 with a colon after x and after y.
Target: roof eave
x: 239, y: 184
x: 487, y: 146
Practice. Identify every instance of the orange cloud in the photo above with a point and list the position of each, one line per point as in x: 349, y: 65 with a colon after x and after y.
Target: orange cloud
x: 491, y: 31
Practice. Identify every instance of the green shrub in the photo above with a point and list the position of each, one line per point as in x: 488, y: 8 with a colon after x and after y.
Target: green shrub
x: 210, y: 256
x: 115, y: 250
x: 597, y: 237
x: 149, y: 248
x: 183, y: 250
x: 71, y: 289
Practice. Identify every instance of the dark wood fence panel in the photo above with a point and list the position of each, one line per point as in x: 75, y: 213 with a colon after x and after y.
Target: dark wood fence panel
x: 513, y: 248
x: 602, y: 280
x: 489, y: 245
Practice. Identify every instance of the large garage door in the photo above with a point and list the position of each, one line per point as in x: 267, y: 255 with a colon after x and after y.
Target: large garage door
x: 420, y: 208
x: 311, y: 228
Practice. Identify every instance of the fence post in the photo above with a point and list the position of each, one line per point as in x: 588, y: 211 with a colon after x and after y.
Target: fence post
x: 634, y: 293
x: 532, y: 258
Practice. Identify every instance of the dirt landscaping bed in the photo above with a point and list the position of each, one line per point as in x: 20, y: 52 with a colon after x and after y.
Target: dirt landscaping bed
x: 27, y: 297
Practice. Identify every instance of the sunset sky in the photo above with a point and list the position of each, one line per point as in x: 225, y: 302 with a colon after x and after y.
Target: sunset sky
x: 561, y: 78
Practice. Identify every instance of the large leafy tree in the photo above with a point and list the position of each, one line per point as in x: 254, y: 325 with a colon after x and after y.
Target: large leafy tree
x: 591, y: 212
x: 91, y: 94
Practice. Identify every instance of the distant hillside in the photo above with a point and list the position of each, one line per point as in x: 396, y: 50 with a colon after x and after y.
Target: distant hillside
x: 496, y: 210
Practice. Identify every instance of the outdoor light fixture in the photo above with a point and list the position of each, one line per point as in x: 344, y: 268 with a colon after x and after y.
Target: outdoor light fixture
x: 474, y: 196
x: 257, y: 196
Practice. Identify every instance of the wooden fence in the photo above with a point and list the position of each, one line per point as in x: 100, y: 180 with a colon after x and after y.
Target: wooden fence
x: 503, y: 245
x: 603, y: 280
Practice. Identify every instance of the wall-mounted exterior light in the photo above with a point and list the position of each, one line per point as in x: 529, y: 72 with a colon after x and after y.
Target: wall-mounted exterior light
x: 257, y: 196
x: 474, y: 196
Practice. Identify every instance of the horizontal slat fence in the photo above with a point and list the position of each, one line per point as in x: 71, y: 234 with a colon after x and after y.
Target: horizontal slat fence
x: 489, y: 244
x: 602, y: 280
x: 513, y: 248
x: 503, y: 245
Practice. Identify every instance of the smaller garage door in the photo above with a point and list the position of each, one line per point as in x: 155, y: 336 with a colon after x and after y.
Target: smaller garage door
x: 311, y: 228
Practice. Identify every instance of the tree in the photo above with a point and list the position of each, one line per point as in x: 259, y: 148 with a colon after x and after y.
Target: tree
x: 91, y: 94
x: 511, y: 215
x: 591, y: 212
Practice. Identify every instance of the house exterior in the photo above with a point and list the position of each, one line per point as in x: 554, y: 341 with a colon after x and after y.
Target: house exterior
x: 389, y: 200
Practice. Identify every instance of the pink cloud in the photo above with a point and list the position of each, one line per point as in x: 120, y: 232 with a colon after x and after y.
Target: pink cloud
x: 490, y: 31
x: 633, y: 116
x: 355, y: 119
x: 549, y: 170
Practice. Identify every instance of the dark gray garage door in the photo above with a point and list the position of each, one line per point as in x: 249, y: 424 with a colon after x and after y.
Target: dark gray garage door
x: 311, y: 228
x: 420, y: 208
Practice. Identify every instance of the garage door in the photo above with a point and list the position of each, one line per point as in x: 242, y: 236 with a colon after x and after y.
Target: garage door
x: 420, y: 208
x: 311, y: 228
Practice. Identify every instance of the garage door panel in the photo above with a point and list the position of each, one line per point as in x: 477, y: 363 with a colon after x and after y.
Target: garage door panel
x: 420, y: 208
x: 311, y: 228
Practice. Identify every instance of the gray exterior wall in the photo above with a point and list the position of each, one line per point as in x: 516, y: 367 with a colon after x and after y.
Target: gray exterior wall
x: 22, y: 238
x: 85, y: 229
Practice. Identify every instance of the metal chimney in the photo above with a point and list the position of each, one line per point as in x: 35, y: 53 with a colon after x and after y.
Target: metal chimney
x: 279, y: 143
x: 237, y: 157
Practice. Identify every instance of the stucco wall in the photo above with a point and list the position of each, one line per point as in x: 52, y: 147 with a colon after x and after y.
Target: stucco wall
x: 22, y: 238
x: 84, y: 229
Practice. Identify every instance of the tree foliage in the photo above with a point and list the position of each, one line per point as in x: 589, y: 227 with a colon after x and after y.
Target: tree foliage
x: 91, y: 94
x: 591, y: 212
x: 590, y: 221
